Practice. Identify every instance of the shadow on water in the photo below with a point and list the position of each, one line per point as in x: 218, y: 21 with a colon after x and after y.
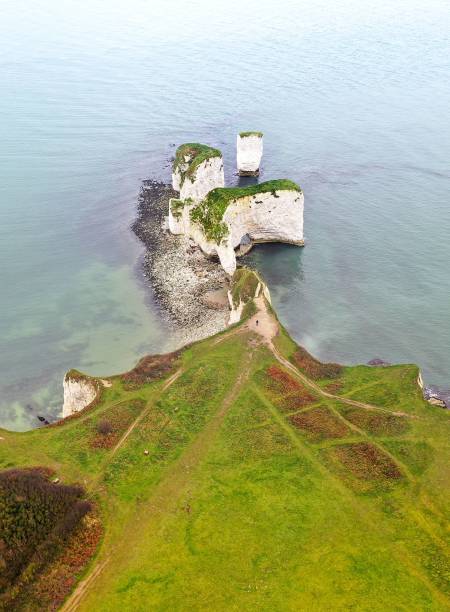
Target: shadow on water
x: 278, y: 263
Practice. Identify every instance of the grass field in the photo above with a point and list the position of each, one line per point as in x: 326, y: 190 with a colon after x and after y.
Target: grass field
x: 263, y: 488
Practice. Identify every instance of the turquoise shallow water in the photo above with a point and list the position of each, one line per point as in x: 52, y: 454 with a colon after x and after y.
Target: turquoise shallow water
x: 353, y: 100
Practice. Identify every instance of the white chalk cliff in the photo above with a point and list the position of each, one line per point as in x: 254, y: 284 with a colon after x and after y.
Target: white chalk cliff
x: 249, y: 153
x: 79, y: 392
x: 274, y: 215
x: 196, y: 170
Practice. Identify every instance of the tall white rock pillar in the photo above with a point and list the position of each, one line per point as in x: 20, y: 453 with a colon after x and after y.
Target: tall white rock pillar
x: 249, y: 153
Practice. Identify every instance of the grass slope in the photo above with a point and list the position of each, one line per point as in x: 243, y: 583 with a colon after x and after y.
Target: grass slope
x: 262, y: 489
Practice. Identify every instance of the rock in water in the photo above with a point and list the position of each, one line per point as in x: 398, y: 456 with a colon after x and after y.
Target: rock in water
x: 249, y: 153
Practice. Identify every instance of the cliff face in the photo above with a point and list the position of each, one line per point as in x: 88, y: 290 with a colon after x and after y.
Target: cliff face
x: 79, y: 392
x: 260, y: 213
x: 246, y: 285
x: 197, y: 169
x: 221, y: 220
x: 249, y: 153
x: 208, y: 175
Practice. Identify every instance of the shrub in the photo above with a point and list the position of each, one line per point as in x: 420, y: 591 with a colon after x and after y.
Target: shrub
x: 313, y: 367
x: 150, y: 368
x: 36, y: 517
x: 104, y: 427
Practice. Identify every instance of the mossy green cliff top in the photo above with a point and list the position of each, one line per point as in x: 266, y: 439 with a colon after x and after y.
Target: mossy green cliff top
x: 197, y: 154
x: 245, y: 134
x: 210, y: 211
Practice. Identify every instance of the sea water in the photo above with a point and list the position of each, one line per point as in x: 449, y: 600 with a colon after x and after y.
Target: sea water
x: 353, y: 98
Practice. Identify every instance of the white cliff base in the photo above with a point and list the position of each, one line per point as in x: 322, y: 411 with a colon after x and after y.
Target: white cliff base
x: 79, y: 392
x: 249, y: 154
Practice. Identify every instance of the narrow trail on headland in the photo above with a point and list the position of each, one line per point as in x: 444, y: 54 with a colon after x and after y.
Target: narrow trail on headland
x: 266, y: 326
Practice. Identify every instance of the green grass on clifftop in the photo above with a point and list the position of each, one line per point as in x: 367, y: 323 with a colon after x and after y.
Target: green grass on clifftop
x: 245, y: 134
x: 210, y: 211
x: 251, y: 483
x: 197, y: 154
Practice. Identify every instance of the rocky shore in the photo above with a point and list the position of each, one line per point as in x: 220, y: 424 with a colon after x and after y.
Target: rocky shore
x: 189, y: 287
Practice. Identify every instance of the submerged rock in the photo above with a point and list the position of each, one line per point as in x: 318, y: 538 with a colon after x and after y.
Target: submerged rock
x: 378, y: 362
x: 436, y: 396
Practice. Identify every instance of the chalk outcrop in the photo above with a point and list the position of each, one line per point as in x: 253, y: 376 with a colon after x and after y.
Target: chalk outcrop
x: 249, y: 153
x: 230, y: 217
x: 79, y: 392
x: 197, y: 169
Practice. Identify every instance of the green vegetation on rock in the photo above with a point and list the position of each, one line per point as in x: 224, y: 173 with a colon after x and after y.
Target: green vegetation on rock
x: 245, y: 134
x: 196, y: 153
x: 177, y: 205
x: 210, y: 211
x: 243, y: 285
x: 239, y: 474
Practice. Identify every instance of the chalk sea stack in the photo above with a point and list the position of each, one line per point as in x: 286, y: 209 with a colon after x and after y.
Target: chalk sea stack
x: 249, y: 153
x: 197, y: 169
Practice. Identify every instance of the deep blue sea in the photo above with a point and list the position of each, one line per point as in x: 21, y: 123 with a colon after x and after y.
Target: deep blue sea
x: 353, y: 98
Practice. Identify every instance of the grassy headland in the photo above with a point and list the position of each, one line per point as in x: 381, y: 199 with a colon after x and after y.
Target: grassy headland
x: 240, y: 473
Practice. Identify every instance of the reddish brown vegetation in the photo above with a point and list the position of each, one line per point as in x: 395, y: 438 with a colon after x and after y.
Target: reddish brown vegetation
x: 320, y: 423
x: 281, y: 381
x: 313, y: 368
x: 367, y: 462
x: 107, y: 432
x: 150, y: 368
x: 334, y: 387
x: 53, y: 585
x: 376, y: 422
x: 287, y: 393
x: 36, y: 519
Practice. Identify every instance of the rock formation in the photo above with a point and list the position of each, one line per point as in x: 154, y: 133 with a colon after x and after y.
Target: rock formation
x: 229, y: 217
x: 226, y: 222
x: 79, y: 392
x: 197, y: 169
x: 249, y: 153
